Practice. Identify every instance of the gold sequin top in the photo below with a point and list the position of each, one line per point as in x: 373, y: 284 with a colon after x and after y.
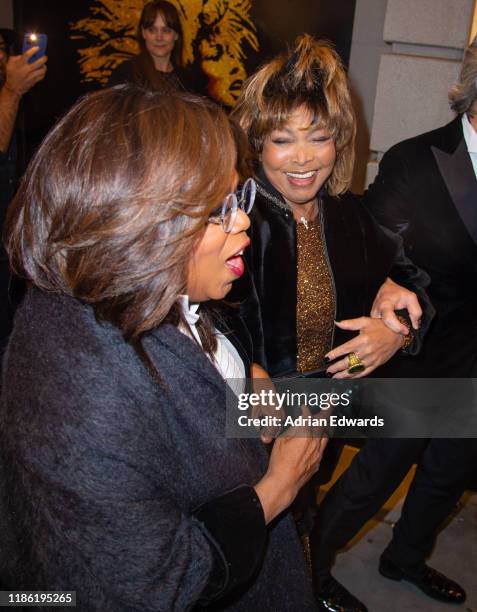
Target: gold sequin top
x: 315, y: 310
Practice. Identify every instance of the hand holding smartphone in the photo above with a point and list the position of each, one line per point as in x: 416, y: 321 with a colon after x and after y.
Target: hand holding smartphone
x: 26, y: 70
x: 35, y: 40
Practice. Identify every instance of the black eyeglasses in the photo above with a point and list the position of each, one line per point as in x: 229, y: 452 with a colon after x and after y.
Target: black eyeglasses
x: 227, y: 213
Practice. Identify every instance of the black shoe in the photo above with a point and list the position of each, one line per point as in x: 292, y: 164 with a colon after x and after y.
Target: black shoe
x: 331, y: 596
x: 428, y: 580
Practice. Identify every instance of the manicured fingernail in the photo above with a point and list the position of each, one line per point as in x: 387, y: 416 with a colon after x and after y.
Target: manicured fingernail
x: 326, y: 360
x: 328, y: 374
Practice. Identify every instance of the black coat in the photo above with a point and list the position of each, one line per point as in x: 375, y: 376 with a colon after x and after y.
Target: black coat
x: 128, y: 491
x: 426, y: 191
x: 360, y: 254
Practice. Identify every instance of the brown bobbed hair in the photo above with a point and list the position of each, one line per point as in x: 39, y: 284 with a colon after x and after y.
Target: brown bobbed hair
x: 310, y: 75
x: 116, y: 198
x: 464, y: 92
x: 144, y: 71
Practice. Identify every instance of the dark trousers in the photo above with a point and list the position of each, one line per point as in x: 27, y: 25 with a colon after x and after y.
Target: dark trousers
x: 444, y: 468
x: 444, y: 471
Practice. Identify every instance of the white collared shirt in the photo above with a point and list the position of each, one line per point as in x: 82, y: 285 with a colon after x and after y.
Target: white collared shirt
x: 470, y: 136
x: 226, y: 357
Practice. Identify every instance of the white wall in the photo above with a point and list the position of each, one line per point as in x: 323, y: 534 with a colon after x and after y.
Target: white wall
x: 367, y: 46
x: 405, y: 55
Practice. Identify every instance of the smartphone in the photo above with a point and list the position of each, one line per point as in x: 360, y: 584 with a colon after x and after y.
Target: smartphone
x: 35, y: 40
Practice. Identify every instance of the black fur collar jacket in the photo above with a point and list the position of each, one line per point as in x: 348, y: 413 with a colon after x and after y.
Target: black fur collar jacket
x: 360, y: 255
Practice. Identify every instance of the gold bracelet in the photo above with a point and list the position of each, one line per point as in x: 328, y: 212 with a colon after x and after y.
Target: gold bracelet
x: 410, y: 336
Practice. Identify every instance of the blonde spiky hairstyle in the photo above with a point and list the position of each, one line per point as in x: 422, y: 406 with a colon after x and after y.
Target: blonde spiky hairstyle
x: 310, y: 75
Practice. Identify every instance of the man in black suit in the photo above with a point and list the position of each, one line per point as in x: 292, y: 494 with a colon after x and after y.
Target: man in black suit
x: 426, y: 191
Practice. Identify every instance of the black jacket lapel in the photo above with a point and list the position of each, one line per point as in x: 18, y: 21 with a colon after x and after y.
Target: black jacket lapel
x: 459, y: 176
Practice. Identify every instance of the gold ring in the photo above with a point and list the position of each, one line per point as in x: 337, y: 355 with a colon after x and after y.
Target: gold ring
x: 355, y: 364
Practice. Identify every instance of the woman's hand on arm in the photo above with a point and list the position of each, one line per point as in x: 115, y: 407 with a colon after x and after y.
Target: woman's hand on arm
x: 375, y: 344
x: 392, y: 297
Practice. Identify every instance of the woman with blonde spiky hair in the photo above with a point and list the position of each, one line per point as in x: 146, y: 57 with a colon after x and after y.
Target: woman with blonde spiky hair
x: 317, y: 256
x: 325, y: 274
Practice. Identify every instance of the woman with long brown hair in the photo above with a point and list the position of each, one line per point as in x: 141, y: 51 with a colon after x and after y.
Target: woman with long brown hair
x: 120, y: 483
x: 159, y: 64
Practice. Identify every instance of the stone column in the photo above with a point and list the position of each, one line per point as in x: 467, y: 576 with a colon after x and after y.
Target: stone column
x: 427, y: 39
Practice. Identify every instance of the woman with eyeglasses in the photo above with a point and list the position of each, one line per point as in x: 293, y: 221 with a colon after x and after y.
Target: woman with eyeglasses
x: 120, y: 482
x: 159, y: 64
